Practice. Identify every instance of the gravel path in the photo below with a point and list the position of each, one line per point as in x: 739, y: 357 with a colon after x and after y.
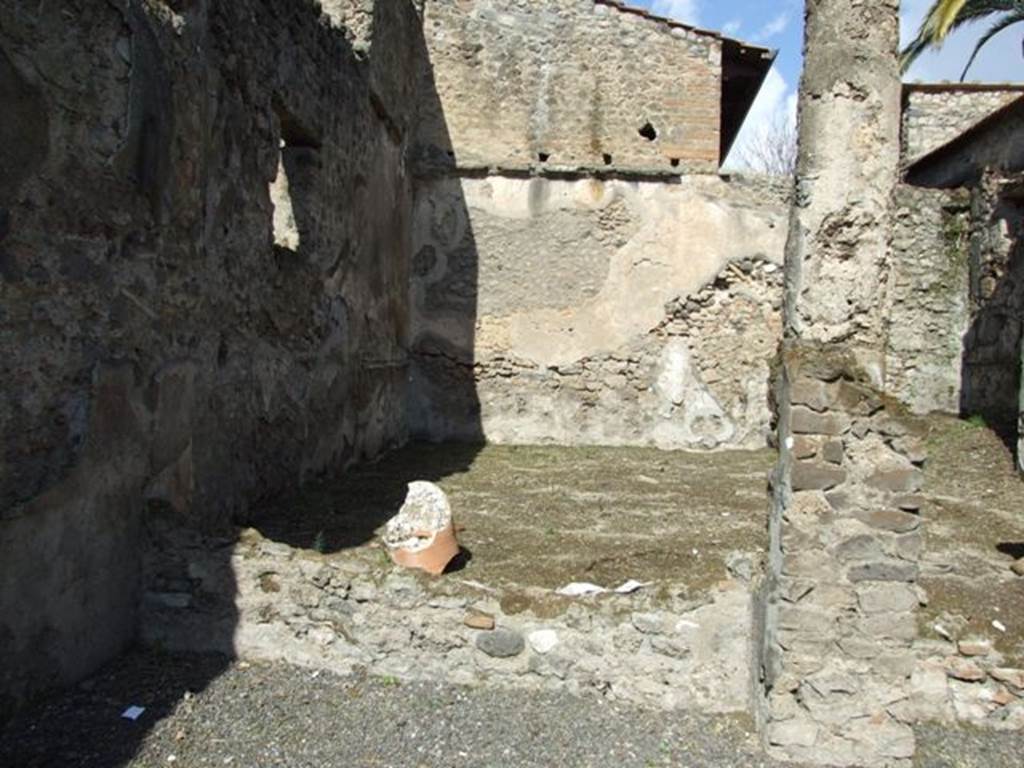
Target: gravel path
x: 205, y: 711
x: 277, y: 716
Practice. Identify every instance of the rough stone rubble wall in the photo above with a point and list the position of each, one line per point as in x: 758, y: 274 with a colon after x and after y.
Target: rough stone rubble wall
x: 596, y: 311
x: 161, y: 352
x: 349, y: 613
x: 840, y: 619
x: 572, y: 80
x: 930, y: 307
x: 933, y: 118
x: 992, y: 379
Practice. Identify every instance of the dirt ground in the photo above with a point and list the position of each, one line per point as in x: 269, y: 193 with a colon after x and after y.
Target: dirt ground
x: 974, y: 530
x: 547, y: 516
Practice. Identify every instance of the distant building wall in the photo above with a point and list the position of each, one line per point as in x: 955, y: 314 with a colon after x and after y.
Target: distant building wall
x: 992, y: 366
x: 995, y: 143
x: 936, y: 113
x: 930, y: 309
x: 569, y: 84
x: 581, y: 273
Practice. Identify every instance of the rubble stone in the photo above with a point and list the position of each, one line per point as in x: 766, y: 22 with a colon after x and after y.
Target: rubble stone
x: 501, y: 643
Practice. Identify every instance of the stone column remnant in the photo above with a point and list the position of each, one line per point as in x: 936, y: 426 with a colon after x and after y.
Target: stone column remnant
x: 1020, y: 418
x: 845, y: 534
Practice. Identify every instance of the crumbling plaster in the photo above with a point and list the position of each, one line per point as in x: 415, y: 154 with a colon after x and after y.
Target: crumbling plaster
x: 607, y: 311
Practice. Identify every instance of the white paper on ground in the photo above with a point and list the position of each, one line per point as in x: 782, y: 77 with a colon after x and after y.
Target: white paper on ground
x: 133, y: 713
x: 584, y: 588
x: 580, y: 589
x: 632, y: 586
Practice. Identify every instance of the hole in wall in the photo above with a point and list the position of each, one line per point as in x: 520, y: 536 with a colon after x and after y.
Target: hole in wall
x: 297, y: 145
x: 286, y: 230
x: 543, y: 156
x: 648, y: 132
x: 675, y: 162
x: 607, y: 159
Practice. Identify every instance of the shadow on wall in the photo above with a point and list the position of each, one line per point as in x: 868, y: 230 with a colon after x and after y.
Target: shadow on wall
x: 333, y: 513
x: 991, y: 378
x: 296, y: 351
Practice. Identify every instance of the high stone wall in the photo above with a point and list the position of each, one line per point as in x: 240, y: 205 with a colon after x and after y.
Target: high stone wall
x: 568, y: 84
x: 991, y: 350
x: 581, y: 276
x: 162, y: 353
x: 606, y: 311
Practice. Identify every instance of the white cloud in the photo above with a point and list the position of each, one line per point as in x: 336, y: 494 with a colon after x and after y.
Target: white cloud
x: 732, y: 27
x: 687, y: 11
x: 775, y: 27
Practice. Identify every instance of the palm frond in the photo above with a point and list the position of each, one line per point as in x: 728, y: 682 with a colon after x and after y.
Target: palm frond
x: 1014, y: 17
x: 941, y: 18
x: 945, y: 16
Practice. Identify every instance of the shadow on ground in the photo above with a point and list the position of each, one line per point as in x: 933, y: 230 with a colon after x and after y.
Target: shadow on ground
x: 345, y: 511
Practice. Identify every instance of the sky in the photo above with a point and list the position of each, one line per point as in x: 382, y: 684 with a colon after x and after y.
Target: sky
x: 779, y: 24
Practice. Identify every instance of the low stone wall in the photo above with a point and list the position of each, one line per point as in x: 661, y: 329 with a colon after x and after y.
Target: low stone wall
x: 964, y: 682
x: 596, y: 311
x: 354, y: 611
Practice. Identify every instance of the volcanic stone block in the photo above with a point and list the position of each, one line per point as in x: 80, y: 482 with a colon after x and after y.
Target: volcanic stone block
x: 884, y: 570
x: 897, y: 480
x: 892, y: 520
x: 816, y: 477
x: 804, y: 421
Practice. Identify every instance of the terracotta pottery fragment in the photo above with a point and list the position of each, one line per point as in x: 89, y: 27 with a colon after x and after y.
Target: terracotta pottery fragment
x: 422, y: 534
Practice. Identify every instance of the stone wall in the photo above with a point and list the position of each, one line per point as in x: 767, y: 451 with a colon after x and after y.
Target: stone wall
x: 996, y: 143
x: 597, y: 311
x: 661, y: 646
x: 845, y: 542
x: 936, y: 113
x: 930, y: 307
x: 174, y: 343
x: 991, y: 349
x: 569, y: 84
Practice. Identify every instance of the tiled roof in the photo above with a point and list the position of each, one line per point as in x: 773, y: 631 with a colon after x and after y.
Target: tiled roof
x: 643, y: 12
x: 951, y: 87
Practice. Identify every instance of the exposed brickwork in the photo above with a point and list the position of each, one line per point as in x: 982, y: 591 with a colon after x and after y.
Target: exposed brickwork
x: 569, y: 85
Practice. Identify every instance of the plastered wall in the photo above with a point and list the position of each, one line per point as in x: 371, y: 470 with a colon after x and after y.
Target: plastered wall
x: 606, y: 311
x: 171, y: 346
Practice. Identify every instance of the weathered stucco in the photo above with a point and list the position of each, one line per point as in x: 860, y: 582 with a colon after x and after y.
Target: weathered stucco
x: 162, y: 353
x: 607, y: 311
